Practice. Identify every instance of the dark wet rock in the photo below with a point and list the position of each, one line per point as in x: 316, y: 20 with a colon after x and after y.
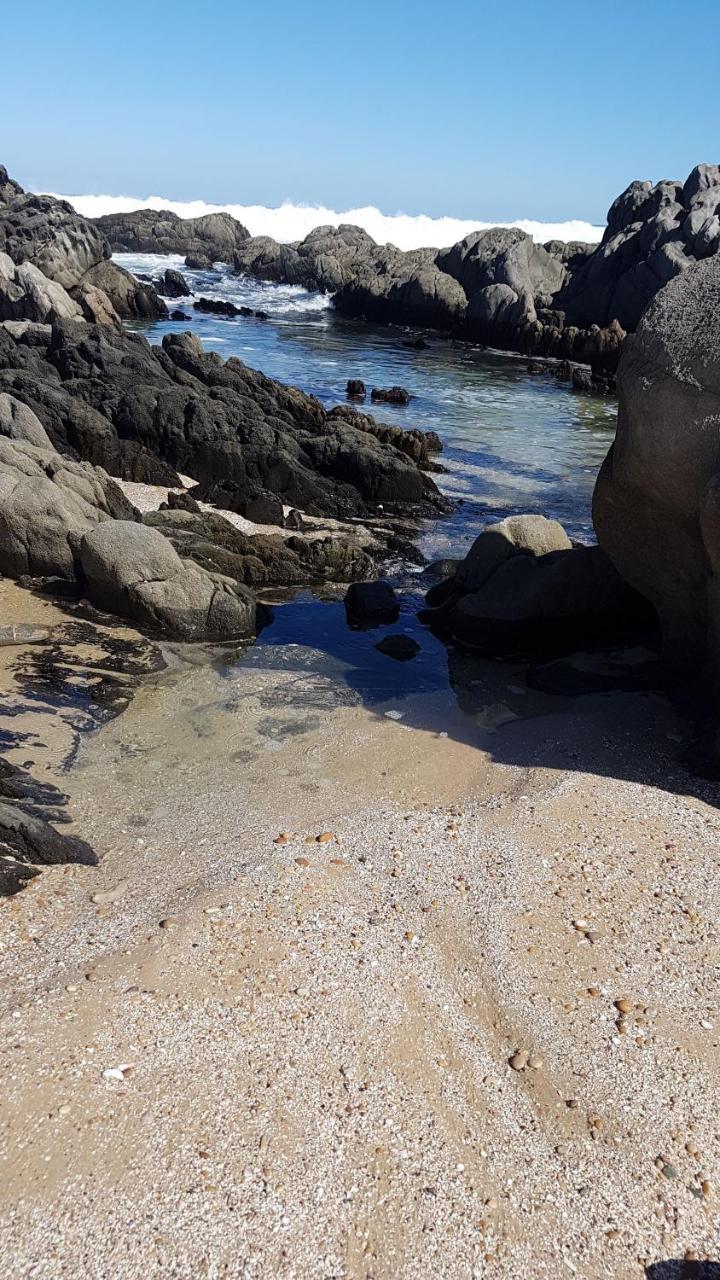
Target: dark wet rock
x: 181, y: 500
x: 416, y: 344
x: 261, y: 559
x: 441, y: 570
x: 294, y: 520
x: 134, y: 571
x: 266, y: 508
x: 220, y: 307
x: 355, y: 389
x: 172, y: 284
x: 28, y: 842
x: 418, y: 445
x: 179, y: 315
x: 371, y: 603
x: 214, y: 237
x: 400, y: 647
x: 390, y: 395
x: 524, y: 589
x: 199, y: 261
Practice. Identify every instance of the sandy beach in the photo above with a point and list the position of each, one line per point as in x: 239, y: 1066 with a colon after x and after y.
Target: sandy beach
x: 235, y: 1049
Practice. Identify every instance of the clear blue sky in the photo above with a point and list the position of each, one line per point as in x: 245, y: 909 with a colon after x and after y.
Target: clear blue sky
x: 488, y: 110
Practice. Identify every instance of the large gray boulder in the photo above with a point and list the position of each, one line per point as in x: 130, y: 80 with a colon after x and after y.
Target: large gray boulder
x: 653, y: 234
x: 656, y: 506
x: 46, y: 504
x: 18, y: 422
x: 27, y: 294
x: 133, y: 570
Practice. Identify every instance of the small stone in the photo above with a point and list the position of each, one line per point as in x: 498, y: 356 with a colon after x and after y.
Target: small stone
x: 692, y: 1148
x: 706, y: 1187
x: 581, y: 925
x: 283, y: 838
x: 167, y: 922
x: 535, y: 1062
x: 325, y: 837
x: 302, y: 862
x: 519, y: 1060
x: 623, y: 1005
x: 669, y: 1171
x: 118, y: 1073
x: 110, y: 895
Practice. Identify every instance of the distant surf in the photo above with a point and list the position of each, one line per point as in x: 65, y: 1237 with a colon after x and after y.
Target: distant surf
x: 290, y: 222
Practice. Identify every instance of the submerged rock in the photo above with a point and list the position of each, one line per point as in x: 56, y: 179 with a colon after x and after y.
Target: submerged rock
x: 400, y: 647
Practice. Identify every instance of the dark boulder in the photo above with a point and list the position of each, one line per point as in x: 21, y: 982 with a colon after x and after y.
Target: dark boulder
x: 355, y: 389
x: 371, y: 603
x: 172, y: 284
x: 390, y: 395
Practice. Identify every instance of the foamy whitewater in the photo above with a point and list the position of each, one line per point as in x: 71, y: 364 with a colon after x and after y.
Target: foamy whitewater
x: 291, y: 222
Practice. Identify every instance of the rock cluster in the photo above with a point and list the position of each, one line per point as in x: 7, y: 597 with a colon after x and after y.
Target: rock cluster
x: 570, y: 301
x: 214, y: 237
x: 144, y: 413
x: 524, y: 590
x: 64, y: 266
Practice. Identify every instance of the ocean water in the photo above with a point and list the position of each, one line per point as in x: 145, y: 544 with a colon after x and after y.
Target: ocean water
x: 513, y: 442
x: 290, y: 221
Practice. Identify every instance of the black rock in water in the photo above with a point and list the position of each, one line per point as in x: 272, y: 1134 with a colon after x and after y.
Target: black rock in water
x: 370, y: 603
x: 400, y: 647
x: 390, y: 395
x: 172, y: 284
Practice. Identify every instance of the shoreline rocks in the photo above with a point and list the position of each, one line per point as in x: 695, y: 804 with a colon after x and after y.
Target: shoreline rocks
x: 213, y: 237
x: 47, y: 235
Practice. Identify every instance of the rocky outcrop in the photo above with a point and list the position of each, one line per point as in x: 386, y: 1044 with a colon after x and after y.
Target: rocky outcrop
x: 60, y: 250
x: 524, y: 590
x: 567, y: 301
x: 421, y: 446
x: 261, y: 559
x: 653, y: 234
x: 656, y: 506
x: 28, y: 842
x: 134, y: 571
x: 172, y: 284
x: 214, y: 237
x: 27, y: 294
x: 147, y: 412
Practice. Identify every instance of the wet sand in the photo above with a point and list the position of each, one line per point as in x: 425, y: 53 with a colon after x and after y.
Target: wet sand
x: 234, y: 1050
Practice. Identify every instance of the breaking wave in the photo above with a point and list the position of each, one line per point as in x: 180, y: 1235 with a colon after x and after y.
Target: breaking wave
x: 290, y: 222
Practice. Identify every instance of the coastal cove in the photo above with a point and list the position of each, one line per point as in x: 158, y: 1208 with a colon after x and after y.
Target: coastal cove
x: 359, y: 806
x: 512, y: 441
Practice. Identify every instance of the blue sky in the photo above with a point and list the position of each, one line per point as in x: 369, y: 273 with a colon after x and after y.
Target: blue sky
x: 501, y: 110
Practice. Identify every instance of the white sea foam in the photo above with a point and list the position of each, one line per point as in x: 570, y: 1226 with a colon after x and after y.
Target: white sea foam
x: 293, y: 221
